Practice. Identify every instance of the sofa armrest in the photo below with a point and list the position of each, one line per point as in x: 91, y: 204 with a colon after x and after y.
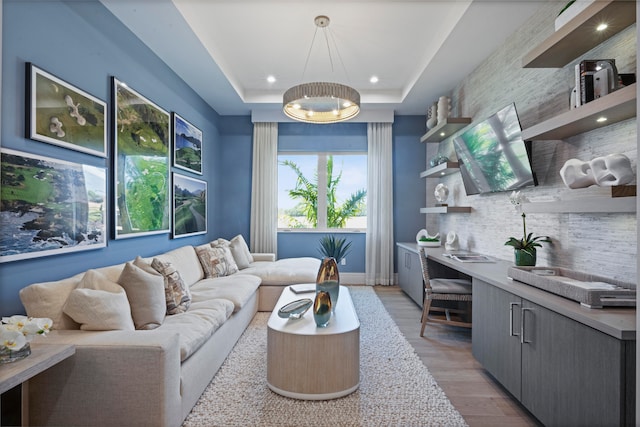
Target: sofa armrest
x: 114, y: 378
x: 263, y: 257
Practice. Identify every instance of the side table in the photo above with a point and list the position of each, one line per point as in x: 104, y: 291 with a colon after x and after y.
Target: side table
x: 42, y: 357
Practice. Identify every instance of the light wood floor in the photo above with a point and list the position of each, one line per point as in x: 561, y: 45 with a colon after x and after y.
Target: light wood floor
x: 446, y: 351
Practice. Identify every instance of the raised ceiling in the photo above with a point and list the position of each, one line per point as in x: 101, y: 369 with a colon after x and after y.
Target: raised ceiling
x: 226, y: 49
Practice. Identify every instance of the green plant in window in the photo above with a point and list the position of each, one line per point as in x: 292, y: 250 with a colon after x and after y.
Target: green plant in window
x: 306, y: 193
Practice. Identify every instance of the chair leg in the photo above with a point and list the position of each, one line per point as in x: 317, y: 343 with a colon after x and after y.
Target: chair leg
x: 425, y: 315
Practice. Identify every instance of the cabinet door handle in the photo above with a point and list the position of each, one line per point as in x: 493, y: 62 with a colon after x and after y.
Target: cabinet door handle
x: 511, y: 332
x: 523, y: 340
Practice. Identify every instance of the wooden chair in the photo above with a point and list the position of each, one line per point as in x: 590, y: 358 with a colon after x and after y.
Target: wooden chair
x: 443, y: 290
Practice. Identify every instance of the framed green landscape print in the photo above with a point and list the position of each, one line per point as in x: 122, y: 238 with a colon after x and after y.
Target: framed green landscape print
x: 50, y: 206
x: 61, y: 114
x: 141, y: 164
x: 187, y: 145
x: 189, y: 206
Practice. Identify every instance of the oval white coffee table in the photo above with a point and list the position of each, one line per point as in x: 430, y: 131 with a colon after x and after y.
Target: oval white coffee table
x: 311, y: 363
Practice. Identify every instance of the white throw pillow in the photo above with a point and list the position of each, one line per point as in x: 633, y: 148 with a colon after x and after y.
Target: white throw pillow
x: 99, y: 304
x: 240, y: 252
x: 145, y: 292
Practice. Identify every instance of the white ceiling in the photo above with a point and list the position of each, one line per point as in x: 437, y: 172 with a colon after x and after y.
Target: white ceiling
x: 225, y: 49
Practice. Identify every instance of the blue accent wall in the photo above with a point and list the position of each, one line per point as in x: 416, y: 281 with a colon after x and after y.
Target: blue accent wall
x: 84, y: 44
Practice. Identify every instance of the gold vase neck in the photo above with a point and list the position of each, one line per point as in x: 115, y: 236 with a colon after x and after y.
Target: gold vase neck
x: 328, y: 271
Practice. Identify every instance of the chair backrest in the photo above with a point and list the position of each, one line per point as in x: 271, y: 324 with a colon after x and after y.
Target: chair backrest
x: 425, y: 269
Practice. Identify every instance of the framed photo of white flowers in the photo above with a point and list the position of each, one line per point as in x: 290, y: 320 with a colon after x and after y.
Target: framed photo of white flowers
x: 61, y: 114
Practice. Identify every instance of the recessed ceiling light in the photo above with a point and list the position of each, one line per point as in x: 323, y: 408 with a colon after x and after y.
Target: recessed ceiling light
x: 442, y: 134
x: 271, y: 79
x: 601, y: 119
x: 602, y: 27
x: 374, y: 79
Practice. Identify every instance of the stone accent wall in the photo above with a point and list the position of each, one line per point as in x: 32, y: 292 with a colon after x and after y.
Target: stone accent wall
x: 603, y: 243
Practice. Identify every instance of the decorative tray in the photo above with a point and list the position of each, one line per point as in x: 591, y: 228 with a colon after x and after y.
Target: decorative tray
x: 589, y: 290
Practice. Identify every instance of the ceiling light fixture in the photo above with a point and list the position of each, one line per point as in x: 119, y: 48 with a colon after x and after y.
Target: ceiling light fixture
x: 602, y: 27
x: 321, y: 102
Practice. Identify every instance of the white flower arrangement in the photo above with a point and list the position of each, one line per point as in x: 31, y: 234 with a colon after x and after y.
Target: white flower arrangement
x: 16, y: 331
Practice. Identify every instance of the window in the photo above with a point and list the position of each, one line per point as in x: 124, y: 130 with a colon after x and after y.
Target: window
x: 322, y: 191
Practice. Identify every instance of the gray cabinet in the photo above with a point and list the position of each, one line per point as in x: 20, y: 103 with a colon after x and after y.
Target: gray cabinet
x: 410, y: 275
x: 562, y: 371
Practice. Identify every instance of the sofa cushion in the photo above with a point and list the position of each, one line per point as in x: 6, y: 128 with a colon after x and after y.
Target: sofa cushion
x: 216, y: 261
x: 145, y: 292
x: 286, y: 271
x: 238, y: 289
x: 240, y: 252
x: 196, y: 325
x: 176, y: 292
x: 47, y: 299
x: 98, y: 304
x: 186, y: 262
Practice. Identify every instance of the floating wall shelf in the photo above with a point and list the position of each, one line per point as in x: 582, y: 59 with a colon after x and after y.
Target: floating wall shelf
x: 592, y: 205
x: 445, y: 129
x: 616, y: 107
x: 442, y: 169
x: 579, y: 35
x: 446, y: 209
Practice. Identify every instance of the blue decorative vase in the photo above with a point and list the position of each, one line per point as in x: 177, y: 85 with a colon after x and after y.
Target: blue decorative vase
x: 322, y: 309
x: 328, y: 280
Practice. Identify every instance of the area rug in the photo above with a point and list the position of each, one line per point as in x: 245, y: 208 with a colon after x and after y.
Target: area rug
x: 396, y: 389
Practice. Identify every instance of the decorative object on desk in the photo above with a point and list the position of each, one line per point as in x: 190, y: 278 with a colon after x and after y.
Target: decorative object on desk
x: 441, y: 193
x: 452, y: 244
x: 606, y: 171
x: 432, y: 116
x: 439, y: 159
x: 423, y: 238
x: 322, y: 308
x: 444, y: 109
x: 525, y: 248
x: 332, y: 247
x: 295, y: 309
x: 16, y: 332
x: 328, y: 280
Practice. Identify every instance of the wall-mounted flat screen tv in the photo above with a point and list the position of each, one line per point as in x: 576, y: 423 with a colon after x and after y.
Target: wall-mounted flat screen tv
x: 492, y: 155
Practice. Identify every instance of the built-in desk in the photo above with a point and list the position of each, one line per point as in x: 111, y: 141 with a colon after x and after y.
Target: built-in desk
x: 567, y: 364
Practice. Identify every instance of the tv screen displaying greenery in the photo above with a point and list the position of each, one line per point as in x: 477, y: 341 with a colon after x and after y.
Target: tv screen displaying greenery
x: 492, y: 155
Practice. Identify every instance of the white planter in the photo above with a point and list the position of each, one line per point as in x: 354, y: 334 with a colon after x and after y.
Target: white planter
x: 571, y: 12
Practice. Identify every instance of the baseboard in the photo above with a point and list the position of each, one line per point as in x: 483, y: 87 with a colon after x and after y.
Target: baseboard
x: 352, y: 278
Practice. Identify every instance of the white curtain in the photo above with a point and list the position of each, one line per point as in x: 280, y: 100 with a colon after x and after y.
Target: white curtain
x: 264, y: 189
x: 379, y: 250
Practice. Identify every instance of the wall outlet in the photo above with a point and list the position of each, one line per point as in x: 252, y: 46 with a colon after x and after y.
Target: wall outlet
x: 343, y: 261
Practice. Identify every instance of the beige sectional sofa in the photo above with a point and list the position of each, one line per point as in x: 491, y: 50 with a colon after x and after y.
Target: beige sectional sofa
x: 150, y: 377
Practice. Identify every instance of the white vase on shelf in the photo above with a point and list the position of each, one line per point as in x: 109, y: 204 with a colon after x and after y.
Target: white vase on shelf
x: 432, y: 116
x: 444, y: 108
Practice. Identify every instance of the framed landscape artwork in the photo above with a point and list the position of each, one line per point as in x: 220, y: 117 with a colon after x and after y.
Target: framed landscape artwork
x: 187, y: 145
x: 141, y: 164
x: 61, y: 114
x: 189, y: 206
x: 50, y: 206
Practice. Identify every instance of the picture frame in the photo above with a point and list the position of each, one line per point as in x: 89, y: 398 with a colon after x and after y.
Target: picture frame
x: 50, y: 206
x: 189, y: 206
x: 142, y: 189
x: 187, y: 145
x: 61, y: 114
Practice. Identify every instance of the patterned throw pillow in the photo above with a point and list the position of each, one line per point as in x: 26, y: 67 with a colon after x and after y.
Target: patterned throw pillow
x: 177, y: 294
x: 225, y: 245
x: 215, y: 261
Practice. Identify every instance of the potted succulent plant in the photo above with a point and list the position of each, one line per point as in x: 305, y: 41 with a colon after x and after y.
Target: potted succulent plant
x: 524, y: 248
x: 332, y: 247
